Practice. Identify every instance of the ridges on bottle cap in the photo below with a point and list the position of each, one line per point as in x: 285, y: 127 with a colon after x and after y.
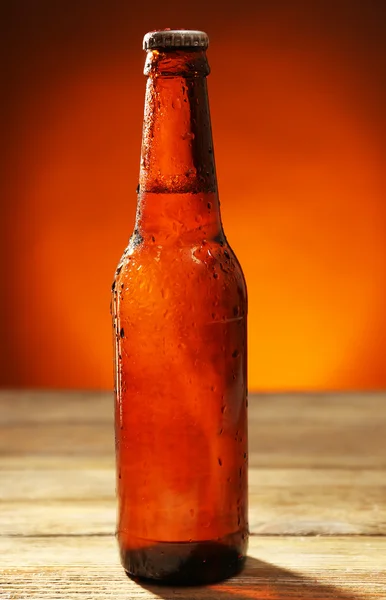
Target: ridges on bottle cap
x: 175, y: 38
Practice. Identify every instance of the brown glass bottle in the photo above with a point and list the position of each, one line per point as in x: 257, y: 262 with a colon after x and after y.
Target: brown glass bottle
x: 179, y: 313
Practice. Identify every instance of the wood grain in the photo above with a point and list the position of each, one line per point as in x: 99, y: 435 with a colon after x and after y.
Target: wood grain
x: 282, y: 501
x: 317, y: 500
x: 87, y: 568
x: 315, y: 431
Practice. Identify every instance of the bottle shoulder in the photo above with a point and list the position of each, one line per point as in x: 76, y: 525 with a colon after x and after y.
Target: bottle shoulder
x: 201, y: 268
x: 213, y: 255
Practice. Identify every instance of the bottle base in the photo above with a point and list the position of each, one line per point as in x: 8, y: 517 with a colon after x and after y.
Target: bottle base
x: 188, y: 563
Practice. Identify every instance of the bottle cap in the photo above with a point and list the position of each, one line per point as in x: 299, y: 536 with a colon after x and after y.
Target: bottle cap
x: 175, y: 38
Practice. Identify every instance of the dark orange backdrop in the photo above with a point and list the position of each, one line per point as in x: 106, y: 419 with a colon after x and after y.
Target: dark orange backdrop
x: 298, y: 107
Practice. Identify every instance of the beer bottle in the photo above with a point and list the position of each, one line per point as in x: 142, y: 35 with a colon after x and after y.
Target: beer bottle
x: 179, y: 316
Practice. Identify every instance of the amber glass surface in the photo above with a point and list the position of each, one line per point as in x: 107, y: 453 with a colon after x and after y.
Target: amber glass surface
x: 179, y: 314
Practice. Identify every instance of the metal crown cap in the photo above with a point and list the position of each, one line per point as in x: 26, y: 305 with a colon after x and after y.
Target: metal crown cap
x: 175, y: 38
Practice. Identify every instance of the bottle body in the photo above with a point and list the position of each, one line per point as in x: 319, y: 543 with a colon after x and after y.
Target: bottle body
x: 179, y: 312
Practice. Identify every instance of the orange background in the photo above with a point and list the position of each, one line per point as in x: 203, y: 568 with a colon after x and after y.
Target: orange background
x: 298, y: 102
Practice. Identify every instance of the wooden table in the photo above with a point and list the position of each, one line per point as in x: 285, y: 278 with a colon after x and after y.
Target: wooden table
x: 317, y: 496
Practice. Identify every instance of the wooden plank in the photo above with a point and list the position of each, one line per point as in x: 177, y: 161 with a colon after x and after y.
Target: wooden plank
x: 48, y: 518
x: 317, y: 502
x: 56, y: 484
x: 80, y: 568
x: 54, y: 462
x: 317, y: 431
x: 269, y: 446
x: 47, y: 439
x: 47, y: 406
x: 317, y: 470
x: 27, y: 406
x: 77, y: 496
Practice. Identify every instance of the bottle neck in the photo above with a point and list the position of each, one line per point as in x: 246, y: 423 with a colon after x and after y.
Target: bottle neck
x: 177, y: 173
